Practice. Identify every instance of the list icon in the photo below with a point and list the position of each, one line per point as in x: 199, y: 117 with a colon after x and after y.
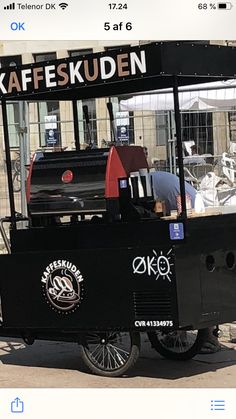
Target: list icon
x: 217, y: 404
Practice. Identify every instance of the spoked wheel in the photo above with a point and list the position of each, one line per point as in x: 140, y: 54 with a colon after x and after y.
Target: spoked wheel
x: 179, y: 345
x: 110, y: 354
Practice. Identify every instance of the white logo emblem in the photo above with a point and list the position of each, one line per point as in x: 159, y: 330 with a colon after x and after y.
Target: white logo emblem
x: 62, y: 285
x: 157, y: 265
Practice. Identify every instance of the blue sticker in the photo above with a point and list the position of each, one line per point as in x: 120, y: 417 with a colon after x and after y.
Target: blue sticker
x: 123, y: 184
x: 176, y: 231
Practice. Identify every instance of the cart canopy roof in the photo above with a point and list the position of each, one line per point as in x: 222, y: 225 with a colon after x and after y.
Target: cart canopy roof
x: 121, y: 71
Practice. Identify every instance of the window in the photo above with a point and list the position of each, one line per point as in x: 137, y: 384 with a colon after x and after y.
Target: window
x: 13, y: 118
x: 90, y: 103
x: 115, y: 47
x: 232, y: 125
x: 198, y: 127
x: 131, y: 127
x: 48, y: 109
x: 12, y: 108
x: 162, y: 128
x: 48, y: 56
x: 10, y: 61
x: 115, y: 101
x: 79, y: 52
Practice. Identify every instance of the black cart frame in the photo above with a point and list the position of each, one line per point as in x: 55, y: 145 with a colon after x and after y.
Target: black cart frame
x: 116, y: 266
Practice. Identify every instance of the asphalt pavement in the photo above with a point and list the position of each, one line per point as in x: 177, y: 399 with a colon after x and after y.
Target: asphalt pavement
x: 58, y: 364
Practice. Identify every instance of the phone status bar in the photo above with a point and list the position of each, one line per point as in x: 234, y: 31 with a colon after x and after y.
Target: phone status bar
x: 74, y: 19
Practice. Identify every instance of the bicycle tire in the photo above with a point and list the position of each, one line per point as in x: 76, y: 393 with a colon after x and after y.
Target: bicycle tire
x: 103, y: 355
x: 175, y: 349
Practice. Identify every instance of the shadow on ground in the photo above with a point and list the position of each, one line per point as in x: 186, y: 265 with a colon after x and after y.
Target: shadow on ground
x: 66, y: 356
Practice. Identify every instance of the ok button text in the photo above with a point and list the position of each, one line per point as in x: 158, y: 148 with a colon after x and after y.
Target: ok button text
x: 18, y: 26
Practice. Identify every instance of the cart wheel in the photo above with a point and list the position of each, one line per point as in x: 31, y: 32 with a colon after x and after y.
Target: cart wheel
x: 110, y: 354
x: 179, y: 345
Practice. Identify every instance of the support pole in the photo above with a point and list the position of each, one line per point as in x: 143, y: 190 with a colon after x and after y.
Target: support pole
x: 179, y: 148
x: 112, y: 123
x: 8, y: 164
x: 22, y: 133
x: 86, y: 115
x: 76, y: 124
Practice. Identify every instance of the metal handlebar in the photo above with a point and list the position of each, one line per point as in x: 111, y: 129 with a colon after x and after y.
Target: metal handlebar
x: 5, y: 220
x: 3, y: 233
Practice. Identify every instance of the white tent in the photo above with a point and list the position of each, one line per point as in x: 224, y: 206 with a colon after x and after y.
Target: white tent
x: 208, y: 97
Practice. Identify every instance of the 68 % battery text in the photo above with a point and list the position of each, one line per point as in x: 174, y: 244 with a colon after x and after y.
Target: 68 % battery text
x: 206, y: 6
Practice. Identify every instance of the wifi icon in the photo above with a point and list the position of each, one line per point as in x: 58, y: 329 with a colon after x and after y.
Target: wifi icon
x: 63, y: 5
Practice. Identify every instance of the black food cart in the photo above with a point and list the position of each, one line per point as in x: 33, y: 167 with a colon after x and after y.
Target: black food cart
x: 115, y: 268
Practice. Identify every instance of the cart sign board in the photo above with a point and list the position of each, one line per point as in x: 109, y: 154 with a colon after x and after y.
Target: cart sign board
x: 146, y: 67
x: 51, y: 138
x: 122, y: 125
x: 51, y: 134
x: 74, y: 72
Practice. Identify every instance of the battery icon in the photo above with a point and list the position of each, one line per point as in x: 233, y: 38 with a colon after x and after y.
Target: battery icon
x: 225, y: 6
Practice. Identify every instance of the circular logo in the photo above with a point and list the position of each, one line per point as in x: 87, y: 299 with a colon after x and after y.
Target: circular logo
x: 62, y: 284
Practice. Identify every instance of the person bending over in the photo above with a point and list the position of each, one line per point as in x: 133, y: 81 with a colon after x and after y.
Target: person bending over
x: 166, y: 187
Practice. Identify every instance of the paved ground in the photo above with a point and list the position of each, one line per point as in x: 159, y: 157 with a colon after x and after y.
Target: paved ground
x: 55, y: 364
